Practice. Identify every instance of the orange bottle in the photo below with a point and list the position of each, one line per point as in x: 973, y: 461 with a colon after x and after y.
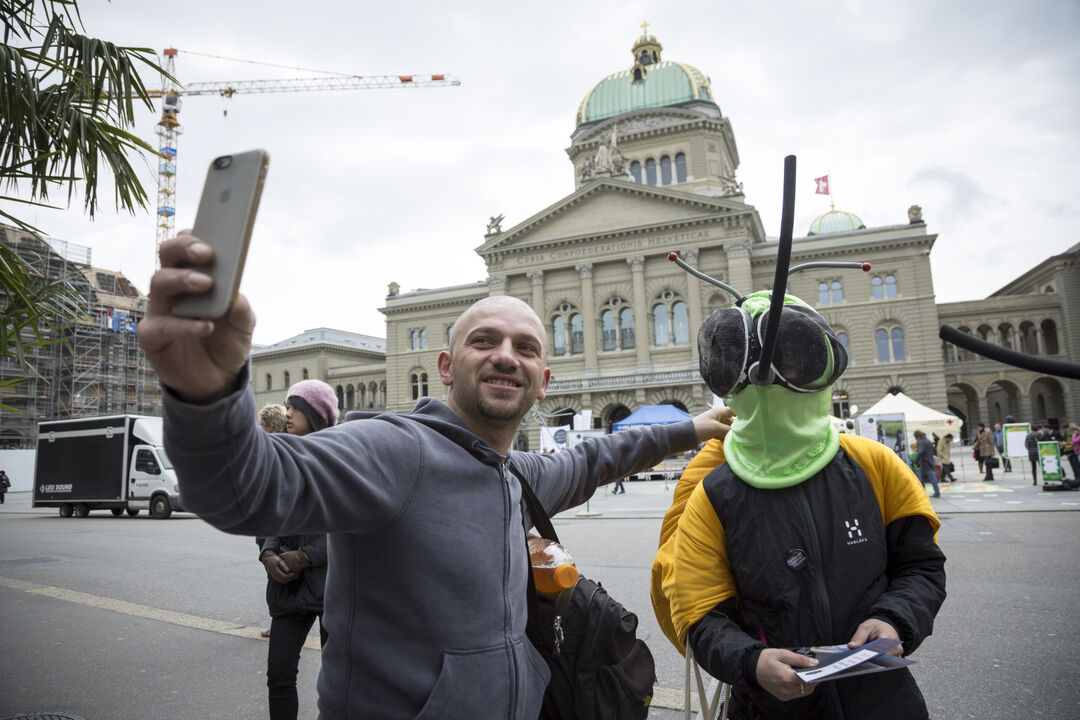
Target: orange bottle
x: 552, y: 567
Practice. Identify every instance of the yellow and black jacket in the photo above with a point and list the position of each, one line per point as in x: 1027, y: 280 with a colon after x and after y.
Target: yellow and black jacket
x: 741, y: 568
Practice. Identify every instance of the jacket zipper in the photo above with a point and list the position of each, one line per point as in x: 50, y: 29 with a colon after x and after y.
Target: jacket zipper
x: 821, y: 594
x: 507, y: 619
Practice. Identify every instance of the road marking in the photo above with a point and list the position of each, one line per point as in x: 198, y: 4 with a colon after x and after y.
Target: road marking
x: 144, y: 611
x: 1014, y: 502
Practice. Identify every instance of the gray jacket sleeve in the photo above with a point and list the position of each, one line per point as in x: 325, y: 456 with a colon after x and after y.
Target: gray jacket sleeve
x: 567, y: 479
x: 352, y: 477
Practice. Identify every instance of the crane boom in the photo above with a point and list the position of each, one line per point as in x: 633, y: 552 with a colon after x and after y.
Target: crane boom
x: 351, y: 82
x: 169, y: 126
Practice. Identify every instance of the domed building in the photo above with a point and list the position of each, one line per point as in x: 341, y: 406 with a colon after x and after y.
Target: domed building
x: 654, y: 164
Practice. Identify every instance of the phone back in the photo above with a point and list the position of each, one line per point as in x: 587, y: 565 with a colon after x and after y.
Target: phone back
x: 226, y: 215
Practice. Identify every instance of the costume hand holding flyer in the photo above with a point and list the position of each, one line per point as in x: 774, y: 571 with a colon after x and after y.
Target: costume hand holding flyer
x: 840, y: 661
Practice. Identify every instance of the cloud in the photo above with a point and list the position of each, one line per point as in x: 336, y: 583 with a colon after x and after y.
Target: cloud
x: 966, y: 195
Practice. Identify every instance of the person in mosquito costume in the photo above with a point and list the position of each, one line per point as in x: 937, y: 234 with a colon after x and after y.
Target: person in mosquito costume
x: 788, y: 534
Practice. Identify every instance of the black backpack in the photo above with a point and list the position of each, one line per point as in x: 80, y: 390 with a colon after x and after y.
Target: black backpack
x: 599, y: 669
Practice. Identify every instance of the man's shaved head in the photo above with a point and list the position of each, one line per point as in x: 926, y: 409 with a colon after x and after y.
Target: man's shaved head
x: 495, y: 302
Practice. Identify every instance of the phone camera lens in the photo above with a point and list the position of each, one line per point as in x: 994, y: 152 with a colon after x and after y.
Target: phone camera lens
x: 222, y: 162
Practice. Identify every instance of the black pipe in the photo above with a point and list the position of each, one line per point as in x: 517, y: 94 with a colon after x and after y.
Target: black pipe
x: 760, y: 373
x: 1009, y: 357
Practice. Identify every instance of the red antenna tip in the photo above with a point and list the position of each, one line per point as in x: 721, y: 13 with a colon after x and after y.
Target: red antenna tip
x: 866, y: 267
x: 673, y: 256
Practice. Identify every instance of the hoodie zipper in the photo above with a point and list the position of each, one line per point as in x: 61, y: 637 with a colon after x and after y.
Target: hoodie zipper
x: 507, y: 620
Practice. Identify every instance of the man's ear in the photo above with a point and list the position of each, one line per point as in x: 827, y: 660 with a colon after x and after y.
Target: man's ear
x: 446, y: 372
x: 544, y: 383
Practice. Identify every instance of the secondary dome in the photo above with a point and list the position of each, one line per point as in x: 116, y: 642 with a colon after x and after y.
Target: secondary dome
x: 650, y: 83
x: 836, y: 221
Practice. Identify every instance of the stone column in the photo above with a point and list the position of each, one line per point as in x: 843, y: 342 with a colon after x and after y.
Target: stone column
x: 497, y: 284
x: 693, y: 300
x: 588, y: 311
x: 641, y: 312
x: 1039, y: 340
x: 536, y: 277
x: 739, y: 275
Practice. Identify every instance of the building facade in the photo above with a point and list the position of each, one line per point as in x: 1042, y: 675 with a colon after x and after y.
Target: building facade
x: 89, y: 365
x: 654, y: 163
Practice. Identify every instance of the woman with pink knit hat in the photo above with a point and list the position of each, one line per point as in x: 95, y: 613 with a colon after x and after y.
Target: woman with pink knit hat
x: 295, y: 565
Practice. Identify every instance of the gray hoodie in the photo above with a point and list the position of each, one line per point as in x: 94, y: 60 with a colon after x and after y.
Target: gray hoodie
x: 425, y: 601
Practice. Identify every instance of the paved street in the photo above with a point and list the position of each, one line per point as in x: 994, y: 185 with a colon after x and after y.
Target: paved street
x: 109, y: 617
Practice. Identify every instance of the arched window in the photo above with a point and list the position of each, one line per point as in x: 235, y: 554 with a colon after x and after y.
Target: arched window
x: 823, y: 293
x: 877, y: 287
x: 1005, y: 333
x: 1050, y: 338
x: 607, y: 330
x: 680, y: 167
x: 303, y: 374
x: 660, y: 325
x: 890, y: 286
x: 449, y: 334
x: 419, y: 383
x: 567, y: 331
x: 890, y: 344
x: 577, y: 334
x: 413, y: 340
x: 837, y: 292
x: 650, y: 171
x: 350, y: 396
x: 843, y: 338
x: 898, y: 344
x: 423, y: 339
x: 287, y: 383
x: 680, y: 323
x: 626, y: 328
x: 635, y: 171
x: 881, y: 337
x: 269, y: 382
x: 558, y: 335
x: 665, y: 170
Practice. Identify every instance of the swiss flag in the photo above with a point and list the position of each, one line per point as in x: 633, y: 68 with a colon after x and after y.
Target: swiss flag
x: 822, y: 185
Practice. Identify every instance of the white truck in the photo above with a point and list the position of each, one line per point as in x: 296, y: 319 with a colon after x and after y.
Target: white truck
x: 112, y: 463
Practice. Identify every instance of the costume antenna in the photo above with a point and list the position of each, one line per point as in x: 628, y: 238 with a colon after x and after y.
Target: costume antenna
x: 761, y: 372
x: 674, y: 257
x: 865, y: 267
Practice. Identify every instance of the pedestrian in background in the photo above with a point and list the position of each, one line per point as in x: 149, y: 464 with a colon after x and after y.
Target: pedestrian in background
x: 295, y: 564
x: 4, y: 485
x: 1073, y: 433
x: 924, y: 461
x: 1031, y: 444
x: 944, y: 456
x: 999, y: 445
x: 272, y: 420
x: 984, y: 451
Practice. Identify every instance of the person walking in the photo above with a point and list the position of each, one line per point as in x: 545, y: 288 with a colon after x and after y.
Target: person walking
x: 426, y: 597
x: 924, y: 461
x: 1031, y: 444
x: 4, y: 485
x: 271, y: 420
x: 1073, y: 433
x: 944, y: 456
x: 999, y: 445
x: 984, y: 451
x: 618, y: 487
x: 295, y: 564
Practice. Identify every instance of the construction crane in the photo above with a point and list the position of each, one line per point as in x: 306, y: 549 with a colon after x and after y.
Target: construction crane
x: 169, y: 126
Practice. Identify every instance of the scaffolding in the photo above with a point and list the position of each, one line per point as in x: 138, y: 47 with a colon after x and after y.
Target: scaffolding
x: 90, y: 365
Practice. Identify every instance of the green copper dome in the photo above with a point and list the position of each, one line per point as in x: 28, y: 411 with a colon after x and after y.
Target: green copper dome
x: 836, y: 221
x: 667, y: 83
x: 651, y: 83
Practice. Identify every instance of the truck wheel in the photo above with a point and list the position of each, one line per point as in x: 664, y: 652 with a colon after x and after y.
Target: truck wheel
x: 132, y: 512
x: 159, y: 507
x: 117, y: 512
x: 82, y: 510
x: 65, y: 510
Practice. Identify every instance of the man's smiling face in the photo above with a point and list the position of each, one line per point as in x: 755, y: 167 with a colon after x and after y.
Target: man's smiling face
x: 495, y: 367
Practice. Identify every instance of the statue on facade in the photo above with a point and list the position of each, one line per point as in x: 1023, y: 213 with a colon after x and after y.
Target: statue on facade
x: 494, y: 226
x: 914, y: 214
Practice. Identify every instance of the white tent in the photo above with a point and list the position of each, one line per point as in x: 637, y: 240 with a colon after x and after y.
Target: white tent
x: 917, y: 416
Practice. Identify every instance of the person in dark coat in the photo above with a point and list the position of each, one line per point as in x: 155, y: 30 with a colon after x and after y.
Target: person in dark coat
x: 295, y: 565
x: 924, y: 461
x: 4, y: 485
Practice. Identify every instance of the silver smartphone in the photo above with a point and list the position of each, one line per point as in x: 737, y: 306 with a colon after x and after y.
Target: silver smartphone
x: 226, y: 214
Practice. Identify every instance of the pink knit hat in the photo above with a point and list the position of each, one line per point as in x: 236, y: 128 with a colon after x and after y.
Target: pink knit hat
x: 317, y: 401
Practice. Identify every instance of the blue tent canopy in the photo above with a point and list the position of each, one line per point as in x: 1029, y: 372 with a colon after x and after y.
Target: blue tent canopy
x: 652, y: 415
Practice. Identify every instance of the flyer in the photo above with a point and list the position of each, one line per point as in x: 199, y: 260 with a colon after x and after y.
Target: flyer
x: 840, y: 661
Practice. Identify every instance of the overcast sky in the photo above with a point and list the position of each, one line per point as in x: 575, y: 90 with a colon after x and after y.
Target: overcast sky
x: 965, y: 108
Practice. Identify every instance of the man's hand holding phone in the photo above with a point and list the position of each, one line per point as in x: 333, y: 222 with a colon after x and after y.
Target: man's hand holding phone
x: 198, y: 358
